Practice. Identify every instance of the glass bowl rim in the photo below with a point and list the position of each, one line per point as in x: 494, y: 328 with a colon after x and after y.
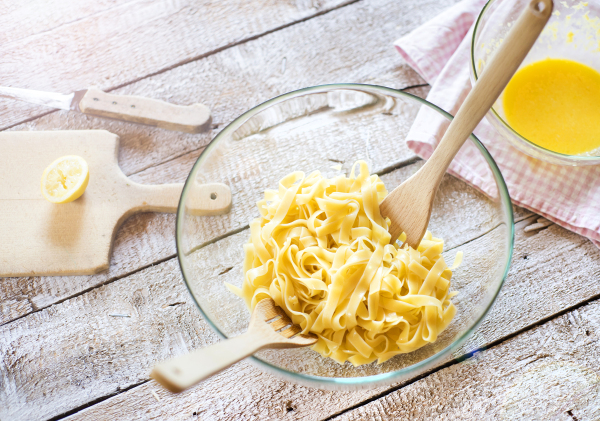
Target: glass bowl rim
x: 557, y: 155
x: 333, y: 382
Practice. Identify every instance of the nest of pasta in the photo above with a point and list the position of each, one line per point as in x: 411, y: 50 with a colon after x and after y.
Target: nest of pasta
x: 321, y: 250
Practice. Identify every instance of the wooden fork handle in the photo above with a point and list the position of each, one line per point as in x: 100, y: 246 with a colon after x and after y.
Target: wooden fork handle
x: 180, y: 373
x: 501, y: 67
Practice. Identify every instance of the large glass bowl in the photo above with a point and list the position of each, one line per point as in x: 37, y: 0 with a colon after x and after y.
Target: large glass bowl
x: 316, y: 129
x: 571, y: 33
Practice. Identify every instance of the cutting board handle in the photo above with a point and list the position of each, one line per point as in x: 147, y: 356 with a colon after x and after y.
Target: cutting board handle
x: 205, y: 199
x: 190, y: 119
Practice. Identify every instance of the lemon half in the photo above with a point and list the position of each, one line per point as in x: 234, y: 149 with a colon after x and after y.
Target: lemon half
x: 65, y: 179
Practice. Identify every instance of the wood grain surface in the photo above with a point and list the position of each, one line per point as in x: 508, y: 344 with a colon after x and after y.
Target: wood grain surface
x: 24, y: 19
x: 152, y: 156
x: 547, y: 373
x: 117, y: 45
x: 245, y: 392
x: 164, y: 322
x: 82, y: 347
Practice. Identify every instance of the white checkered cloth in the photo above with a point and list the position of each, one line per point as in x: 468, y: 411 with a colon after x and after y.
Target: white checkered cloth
x: 439, y: 51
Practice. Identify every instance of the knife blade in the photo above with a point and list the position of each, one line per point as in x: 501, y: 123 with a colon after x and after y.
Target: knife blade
x: 190, y: 119
x: 48, y: 99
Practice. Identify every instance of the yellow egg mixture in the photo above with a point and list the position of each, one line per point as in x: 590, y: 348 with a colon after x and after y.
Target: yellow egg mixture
x: 555, y: 104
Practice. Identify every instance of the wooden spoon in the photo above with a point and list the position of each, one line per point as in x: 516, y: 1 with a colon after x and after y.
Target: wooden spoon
x: 269, y: 327
x: 409, y: 205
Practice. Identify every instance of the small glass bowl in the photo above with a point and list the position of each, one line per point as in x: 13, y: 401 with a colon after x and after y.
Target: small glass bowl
x: 570, y: 34
x: 328, y: 128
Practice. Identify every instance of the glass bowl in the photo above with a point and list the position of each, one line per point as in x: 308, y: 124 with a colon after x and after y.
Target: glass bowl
x: 316, y: 129
x: 571, y: 33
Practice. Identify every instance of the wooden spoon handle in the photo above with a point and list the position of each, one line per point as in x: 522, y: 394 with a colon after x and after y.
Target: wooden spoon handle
x: 501, y: 67
x: 182, y: 372
x: 190, y: 119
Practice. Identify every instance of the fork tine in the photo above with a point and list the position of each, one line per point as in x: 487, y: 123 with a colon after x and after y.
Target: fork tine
x: 278, y: 324
x: 282, y: 324
x: 273, y: 311
x: 273, y: 319
x: 291, y: 331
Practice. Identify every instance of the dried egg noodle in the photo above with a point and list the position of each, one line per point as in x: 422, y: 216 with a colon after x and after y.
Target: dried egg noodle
x: 322, y: 252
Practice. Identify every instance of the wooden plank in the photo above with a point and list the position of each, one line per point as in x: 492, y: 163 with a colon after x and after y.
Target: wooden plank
x: 142, y: 240
x: 131, y: 40
x: 254, y: 399
x: 109, y: 335
x: 245, y: 392
x: 544, y: 373
x: 20, y: 20
x: 238, y: 78
x: 547, y: 373
x: 39, y: 349
x: 159, y: 156
x: 450, y: 187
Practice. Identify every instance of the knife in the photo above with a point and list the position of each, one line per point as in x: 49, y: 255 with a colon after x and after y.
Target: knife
x: 190, y: 119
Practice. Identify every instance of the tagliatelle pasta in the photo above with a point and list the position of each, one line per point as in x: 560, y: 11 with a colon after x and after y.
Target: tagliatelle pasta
x: 321, y: 250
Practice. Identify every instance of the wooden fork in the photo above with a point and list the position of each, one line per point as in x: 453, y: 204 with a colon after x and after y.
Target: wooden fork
x: 269, y: 327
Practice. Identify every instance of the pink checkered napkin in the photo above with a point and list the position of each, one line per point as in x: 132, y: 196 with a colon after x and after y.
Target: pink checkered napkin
x: 439, y: 51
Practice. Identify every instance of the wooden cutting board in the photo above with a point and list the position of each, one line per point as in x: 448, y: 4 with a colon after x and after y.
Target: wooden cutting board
x: 41, y: 238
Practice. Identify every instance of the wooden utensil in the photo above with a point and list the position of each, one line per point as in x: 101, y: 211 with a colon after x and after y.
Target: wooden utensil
x: 409, y: 205
x: 42, y: 238
x: 136, y: 109
x: 269, y: 327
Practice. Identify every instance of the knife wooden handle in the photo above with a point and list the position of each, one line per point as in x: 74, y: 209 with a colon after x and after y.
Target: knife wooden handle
x: 190, y: 119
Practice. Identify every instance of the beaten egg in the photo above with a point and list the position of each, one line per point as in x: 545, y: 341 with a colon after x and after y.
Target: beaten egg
x: 555, y: 103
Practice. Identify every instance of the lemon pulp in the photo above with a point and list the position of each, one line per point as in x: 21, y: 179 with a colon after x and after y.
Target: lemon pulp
x: 555, y: 103
x: 65, y: 179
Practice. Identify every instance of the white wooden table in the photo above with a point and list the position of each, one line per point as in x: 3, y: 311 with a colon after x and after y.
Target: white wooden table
x: 62, y: 354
